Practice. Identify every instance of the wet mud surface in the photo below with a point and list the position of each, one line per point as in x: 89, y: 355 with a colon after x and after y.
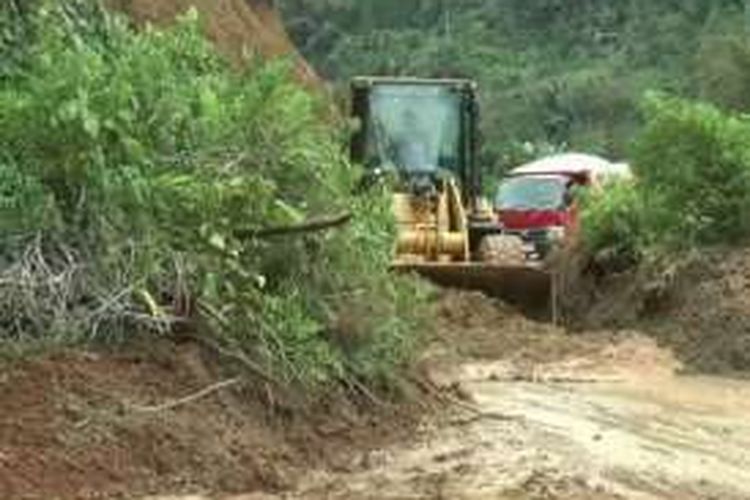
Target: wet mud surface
x: 618, y: 424
x: 581, y: 435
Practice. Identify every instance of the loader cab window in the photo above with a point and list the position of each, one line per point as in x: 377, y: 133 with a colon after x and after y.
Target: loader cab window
x: 414, y: 128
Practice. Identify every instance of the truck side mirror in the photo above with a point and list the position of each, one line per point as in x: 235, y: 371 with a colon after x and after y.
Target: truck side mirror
x: 568, y: 197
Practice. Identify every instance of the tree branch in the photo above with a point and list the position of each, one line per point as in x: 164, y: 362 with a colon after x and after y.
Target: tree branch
x: 309, y: 226
x: 171, y: 405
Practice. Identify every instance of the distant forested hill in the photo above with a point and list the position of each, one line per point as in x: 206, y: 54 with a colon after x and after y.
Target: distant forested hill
x: 554, y: 73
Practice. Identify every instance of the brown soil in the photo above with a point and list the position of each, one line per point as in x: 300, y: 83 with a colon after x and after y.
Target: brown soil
x: 237, y: 27
x: 479, y: 337
x: 544, y: 414
x: 473, y: 326
x: 699, y: 307
x: 540, y: 413
x: 707, y: 317
x: 76, y: 425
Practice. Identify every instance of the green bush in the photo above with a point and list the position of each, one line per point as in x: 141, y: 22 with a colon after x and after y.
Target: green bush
x: 692, y: 164
x: 136, y: 168
x: 694, y: 160
x: 614, y: 220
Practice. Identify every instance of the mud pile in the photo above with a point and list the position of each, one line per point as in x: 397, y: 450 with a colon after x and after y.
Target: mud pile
x: 472, y: 325
x: 490, y: 338
x: 146, y: 421
x: 237, y: 27
x: 707, y: 317
x: 697, y: 305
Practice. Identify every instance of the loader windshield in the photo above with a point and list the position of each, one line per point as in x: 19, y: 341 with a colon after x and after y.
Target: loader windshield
x: 532, y: 193
x: 414, y: 127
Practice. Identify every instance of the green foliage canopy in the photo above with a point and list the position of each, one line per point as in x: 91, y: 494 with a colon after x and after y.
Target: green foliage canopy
x: 552, y: 72
x: 692, y: 163
x: 132, y: 167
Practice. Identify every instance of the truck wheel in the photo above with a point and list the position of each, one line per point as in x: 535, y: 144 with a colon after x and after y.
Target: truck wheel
x: 503, y: 250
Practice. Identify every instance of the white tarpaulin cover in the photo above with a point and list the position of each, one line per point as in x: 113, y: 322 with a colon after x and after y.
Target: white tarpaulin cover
x: 597, y: 168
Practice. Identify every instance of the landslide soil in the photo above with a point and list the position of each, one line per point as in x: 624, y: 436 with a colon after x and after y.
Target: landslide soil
x: 238, y: 28
x: 698, y: 306
x: 536, y: 413
x: 105, y: 425
x: 545, y: 414
x: 707, y: 316
x: 539, y: 413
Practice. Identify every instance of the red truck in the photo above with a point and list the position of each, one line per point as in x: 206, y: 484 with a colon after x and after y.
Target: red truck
x: 536, y: 201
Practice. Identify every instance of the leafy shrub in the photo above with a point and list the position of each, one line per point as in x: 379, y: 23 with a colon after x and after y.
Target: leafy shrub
x: 614, y: 221
x: 693, y: 167
x: 695, y: 161
x: 137, y: 169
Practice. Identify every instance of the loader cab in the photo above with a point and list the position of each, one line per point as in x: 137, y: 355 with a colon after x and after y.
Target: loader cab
x: 417, y: 129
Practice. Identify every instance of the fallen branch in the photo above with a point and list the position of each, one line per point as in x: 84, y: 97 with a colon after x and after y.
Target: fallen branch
x: 308, y: 226
x: 367, y: 393
x: 171, y: 405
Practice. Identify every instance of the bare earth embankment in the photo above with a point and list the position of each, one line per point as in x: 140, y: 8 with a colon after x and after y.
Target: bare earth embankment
x: 542, y: 414
x: 163, y: 417
x: 550, y: 416
x: 538, y: 413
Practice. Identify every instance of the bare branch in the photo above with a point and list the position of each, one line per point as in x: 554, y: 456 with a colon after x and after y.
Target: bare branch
x: 309, y: 226
x: 171, y: 405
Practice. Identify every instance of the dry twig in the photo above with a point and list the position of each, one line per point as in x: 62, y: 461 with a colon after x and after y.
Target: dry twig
x: 171, y: 405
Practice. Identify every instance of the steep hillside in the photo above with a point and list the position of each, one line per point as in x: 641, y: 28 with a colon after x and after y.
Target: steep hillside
x: 237, y: 27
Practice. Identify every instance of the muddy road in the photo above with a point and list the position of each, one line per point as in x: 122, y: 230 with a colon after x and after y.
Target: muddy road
x: 618, y: 424
x: 570, y: 431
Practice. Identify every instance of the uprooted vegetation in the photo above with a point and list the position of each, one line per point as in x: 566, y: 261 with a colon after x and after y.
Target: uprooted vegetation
x: 138, y: 173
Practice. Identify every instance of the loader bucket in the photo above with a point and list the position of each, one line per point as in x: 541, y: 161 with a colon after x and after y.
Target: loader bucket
x: 528, y: 287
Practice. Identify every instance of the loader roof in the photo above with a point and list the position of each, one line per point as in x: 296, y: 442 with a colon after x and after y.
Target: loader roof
x: 366, y: 81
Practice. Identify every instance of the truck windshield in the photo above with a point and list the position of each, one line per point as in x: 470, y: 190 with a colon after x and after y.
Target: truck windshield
x: 531, y: 193
x: 414, y: 127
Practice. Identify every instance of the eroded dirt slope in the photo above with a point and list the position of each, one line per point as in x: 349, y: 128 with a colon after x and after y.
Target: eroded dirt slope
x: 707, y: 318
x: 123, y: 425
x: 237, y: 27
x: 699, y: 306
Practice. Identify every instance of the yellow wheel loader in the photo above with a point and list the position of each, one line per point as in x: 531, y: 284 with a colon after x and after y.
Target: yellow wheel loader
x: 423, y: 135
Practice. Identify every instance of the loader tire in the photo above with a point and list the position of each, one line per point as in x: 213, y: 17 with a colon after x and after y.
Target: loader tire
x: 502, y: 250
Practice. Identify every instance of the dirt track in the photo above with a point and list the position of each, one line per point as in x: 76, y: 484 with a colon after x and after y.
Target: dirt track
x: 677, y: 439
x: 612, y: 423
x: 576, y: 432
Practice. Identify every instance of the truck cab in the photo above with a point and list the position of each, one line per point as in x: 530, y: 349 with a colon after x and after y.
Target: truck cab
x: 537, y: 201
